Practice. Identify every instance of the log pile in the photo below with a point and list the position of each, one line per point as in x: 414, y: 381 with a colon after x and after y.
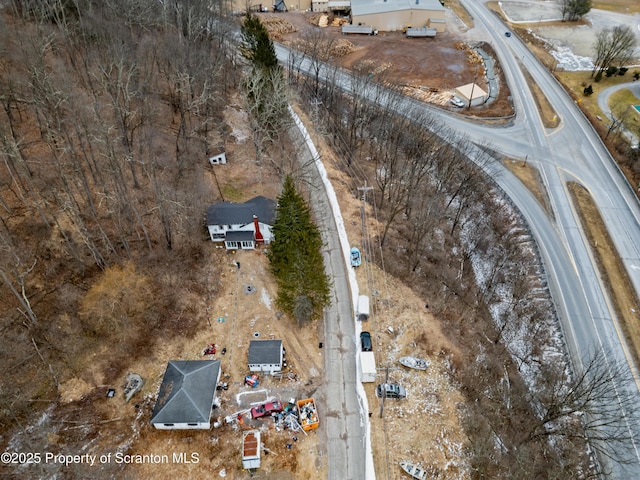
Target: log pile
x: 277, y: 27
x: 342, y: 48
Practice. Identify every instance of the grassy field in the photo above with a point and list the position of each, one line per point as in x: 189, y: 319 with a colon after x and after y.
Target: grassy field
x: 576, y: 82
x: 620, y: 6
x: 621, y: 103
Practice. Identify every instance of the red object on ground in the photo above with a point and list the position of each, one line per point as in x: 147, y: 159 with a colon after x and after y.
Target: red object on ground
x: 266, y: 409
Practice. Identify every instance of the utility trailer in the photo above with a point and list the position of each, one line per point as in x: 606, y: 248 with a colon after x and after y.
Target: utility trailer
x: 420, y: 32
x: 361, y: 29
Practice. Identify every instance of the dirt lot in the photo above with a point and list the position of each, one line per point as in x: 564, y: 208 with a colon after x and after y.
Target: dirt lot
x: 429, y: 68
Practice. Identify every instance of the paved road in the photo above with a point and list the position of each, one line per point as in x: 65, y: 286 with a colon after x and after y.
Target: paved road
x: 571, y: 152
x: 342, y: 416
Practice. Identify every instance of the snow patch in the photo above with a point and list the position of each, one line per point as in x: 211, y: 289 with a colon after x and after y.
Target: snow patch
x: 265, y: 298
x: 569, y: 61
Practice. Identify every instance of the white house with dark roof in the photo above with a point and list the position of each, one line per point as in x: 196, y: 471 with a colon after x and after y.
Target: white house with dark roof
x: 266, y: 356
x: 242, y: 225
x: 186, y: 395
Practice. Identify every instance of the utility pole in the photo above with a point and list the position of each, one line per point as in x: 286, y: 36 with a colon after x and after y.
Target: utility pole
x: 316, y: 103
x: 364, y: 191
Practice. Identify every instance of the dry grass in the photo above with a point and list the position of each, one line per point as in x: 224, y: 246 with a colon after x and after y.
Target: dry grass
x: 621, y: 6
x: 548, y: 115
x: 621, y: 103
x: 461, y: 12
x: 575, y: 83
x: 530, y: 177
x: 616, y: 281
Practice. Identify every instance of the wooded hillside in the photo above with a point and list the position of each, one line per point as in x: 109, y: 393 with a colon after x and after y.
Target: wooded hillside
x: 109, y: 112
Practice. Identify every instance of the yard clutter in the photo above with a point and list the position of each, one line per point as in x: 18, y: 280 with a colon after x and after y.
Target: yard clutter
x: 308, y: 414
x: 133, y: 385
x: 252, y: 380
x: 209, y: 349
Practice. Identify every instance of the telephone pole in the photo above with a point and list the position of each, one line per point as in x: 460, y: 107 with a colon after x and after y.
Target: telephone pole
x: 364, y: 191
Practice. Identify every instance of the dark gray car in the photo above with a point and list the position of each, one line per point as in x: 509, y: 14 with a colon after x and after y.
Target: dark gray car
x: 365, y: 342
x: 391, y: 390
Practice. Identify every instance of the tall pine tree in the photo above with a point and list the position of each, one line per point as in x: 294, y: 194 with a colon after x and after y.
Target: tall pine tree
x: 296, y: 260
x: 256, y: 46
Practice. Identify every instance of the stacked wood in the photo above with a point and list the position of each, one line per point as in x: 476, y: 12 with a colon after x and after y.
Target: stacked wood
x: 342, y: 48
x: 277, y: 27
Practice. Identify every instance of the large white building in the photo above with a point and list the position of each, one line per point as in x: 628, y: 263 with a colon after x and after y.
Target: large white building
x: 398, y: 15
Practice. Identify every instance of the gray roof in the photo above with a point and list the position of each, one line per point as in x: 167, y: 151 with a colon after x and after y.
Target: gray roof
x: 265, y: 352
x: 229, y: 213
x: 187, y: 392
x: 239, y: 236
x: 367, y: 7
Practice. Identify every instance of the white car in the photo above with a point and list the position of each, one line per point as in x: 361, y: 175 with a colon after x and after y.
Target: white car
x: 455, y: 101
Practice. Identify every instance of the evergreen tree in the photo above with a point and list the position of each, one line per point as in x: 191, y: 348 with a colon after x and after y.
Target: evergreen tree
x: 295, y: 258
x: 257, y: 47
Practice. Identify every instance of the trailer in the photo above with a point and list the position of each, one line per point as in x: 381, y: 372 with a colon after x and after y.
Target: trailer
x: 361, y: 29
x: 362, y: 309
x: 251, y: 449
x: 308, y: 414
x: 367, y: 367
x: 420, y: 32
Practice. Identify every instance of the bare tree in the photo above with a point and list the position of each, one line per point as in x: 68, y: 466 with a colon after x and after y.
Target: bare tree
x: 595, y: 403
x: 265, y: 93
x: 614, y: 47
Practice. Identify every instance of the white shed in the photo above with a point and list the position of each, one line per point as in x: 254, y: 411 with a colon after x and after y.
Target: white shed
x: 367, y: 367
x: 220, y: 159
x: 471, y: 93
x: 362, y: 310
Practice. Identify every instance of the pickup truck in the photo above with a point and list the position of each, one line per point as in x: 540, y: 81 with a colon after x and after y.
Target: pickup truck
x: 266, y: 409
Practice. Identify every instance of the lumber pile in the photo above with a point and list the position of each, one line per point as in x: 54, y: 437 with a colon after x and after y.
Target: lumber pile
x: 277, y: 27
x: 341, y: 48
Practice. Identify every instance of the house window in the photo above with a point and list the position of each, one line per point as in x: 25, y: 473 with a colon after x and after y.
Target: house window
x: 232, y: 245
x: 168, y: 424
x: 192, y: 424
x: 247, y: 244
x: 218, y: 235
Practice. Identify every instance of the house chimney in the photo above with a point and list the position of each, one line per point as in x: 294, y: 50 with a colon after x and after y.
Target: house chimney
x: 256, y: 227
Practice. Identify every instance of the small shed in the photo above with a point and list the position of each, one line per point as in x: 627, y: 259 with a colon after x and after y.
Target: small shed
x: 219, y: 159
x: 251, y: 449
x: 367, y: 367
x: 471, y: 94
x: 266, y: 356
x: 186, y: 395
x: 362, y: 310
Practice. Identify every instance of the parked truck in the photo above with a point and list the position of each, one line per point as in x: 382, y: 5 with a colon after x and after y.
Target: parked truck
x: 308, y: 414
x: 361, y: 29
